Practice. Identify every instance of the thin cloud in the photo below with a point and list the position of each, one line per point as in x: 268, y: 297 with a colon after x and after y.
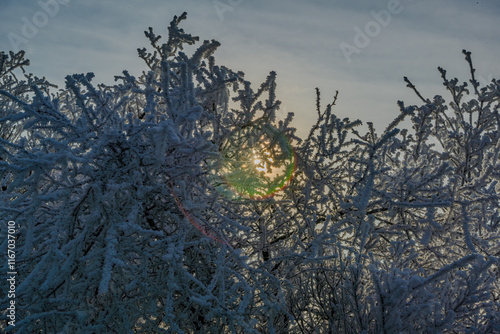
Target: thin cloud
x: 299, y: 40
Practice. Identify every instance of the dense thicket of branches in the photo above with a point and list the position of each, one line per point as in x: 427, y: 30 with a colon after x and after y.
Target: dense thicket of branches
x: 122, y: 227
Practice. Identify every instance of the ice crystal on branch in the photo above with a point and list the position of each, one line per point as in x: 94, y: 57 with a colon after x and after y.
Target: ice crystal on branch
x: 157, y: 206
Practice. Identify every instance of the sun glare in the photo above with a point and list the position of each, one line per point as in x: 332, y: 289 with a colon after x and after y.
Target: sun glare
x: 257, y: 162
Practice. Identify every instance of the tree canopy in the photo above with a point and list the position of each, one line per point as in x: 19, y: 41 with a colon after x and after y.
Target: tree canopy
x: 178, y: 202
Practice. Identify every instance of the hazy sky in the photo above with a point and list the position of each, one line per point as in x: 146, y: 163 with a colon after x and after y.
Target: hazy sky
x: 361, y: 48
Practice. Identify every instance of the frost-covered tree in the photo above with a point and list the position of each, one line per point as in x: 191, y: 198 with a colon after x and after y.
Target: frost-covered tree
x: 177, y: 202
x: 409, y: 218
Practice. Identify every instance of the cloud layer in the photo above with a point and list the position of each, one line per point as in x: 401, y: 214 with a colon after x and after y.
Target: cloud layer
x: 301, y: 41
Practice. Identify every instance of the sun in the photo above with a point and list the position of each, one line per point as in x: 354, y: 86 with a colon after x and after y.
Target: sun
x: 256, y: 162
x: 259, y: 161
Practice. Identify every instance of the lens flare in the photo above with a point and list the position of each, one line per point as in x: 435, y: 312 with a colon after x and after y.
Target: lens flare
x: 256, y: 162
x: 193, y: 220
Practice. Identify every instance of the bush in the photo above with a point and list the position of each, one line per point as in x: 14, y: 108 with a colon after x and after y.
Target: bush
x: 141, y: 209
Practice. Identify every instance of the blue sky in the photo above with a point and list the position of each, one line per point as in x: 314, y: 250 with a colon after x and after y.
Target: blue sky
x: 301, y: 40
